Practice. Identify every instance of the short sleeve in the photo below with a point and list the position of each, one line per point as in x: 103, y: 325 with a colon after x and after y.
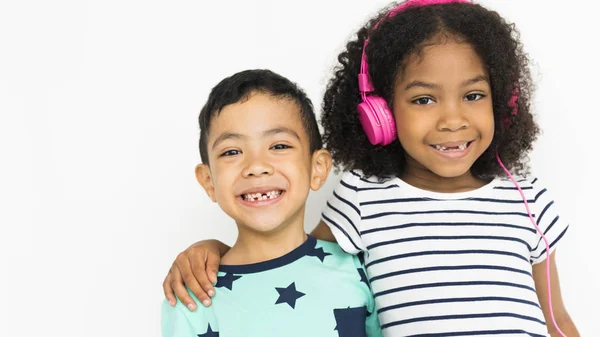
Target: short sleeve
x: 372, y: 327
x: 174, y: 322
x: 178, y: 321
x: 548, y: 220
x: 342, y: 214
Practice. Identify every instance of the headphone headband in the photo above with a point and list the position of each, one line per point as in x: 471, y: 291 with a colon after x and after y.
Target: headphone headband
x: 364, y: 80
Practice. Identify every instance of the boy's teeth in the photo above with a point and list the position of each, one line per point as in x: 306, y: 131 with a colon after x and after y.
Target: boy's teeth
x: 261, y: 196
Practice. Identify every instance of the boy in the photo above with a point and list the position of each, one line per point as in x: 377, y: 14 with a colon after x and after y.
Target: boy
x: 261, y: 153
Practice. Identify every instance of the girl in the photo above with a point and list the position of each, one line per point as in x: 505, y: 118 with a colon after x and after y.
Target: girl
x: 452, y: 243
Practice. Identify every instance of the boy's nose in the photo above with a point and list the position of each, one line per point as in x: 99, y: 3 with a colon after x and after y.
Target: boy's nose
x: 257, y: 168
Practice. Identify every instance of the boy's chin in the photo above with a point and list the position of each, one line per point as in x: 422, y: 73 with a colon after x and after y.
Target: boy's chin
x: 261, y: 226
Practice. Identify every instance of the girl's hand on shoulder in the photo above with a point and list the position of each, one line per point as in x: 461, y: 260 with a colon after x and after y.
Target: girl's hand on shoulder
x: 196, y: 267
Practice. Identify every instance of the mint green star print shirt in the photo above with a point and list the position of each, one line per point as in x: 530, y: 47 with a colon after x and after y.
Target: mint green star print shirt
x: 315, y: 290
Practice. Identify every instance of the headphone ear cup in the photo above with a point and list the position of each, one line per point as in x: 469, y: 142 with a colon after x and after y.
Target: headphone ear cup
x: 369, y: 122
x: 375, y: 108
x: 387, y: 118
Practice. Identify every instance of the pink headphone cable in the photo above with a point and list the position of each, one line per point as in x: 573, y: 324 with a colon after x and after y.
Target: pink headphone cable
x: 543, y: 237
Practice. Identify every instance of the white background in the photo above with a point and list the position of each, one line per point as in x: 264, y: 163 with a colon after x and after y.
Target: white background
x: 98, y: 142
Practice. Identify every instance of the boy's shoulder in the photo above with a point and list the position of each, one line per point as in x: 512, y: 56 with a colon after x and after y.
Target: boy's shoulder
x: 338, y: 254
x: 331, y: 247
x: 178, y: 320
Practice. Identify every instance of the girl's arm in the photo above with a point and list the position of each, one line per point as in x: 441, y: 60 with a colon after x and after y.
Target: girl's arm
x: 323, y: 232
x: 196, y: 267
x: 561, y: 315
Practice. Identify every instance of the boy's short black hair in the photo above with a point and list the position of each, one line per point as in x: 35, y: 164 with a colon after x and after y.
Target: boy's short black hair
x: 240, y: 86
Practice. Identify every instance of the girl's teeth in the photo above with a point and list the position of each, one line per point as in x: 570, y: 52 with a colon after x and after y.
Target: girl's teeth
x: 445, y: 149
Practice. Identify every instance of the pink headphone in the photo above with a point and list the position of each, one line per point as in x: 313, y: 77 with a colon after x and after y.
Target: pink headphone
x: 374, y: 114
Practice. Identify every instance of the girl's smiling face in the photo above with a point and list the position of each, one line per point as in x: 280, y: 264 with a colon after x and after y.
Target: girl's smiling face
x: 443, y: 110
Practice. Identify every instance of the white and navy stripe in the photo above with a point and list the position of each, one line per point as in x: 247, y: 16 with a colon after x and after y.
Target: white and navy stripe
x: 448, y: 264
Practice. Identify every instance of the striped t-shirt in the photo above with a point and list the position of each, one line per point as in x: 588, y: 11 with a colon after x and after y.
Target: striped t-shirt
x: 448, y: 264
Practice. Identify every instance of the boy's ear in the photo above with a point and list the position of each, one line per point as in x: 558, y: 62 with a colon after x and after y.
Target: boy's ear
x: 203, y: 177
x: 321, y: 165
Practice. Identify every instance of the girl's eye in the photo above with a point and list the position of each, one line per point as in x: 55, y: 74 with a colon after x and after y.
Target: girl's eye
x: 280, y: 147
x: 474, y: 97
x: 230, y: 153
x: 423, y: 101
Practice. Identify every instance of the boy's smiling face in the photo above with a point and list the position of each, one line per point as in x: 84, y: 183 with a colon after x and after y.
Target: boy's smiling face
x: 260, y: 166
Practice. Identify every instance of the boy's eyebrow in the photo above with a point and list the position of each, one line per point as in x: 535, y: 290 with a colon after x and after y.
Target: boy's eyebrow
x: 426, y: 85
x: 225, y: 136
x: 282, y: 129
x: 268, y: 133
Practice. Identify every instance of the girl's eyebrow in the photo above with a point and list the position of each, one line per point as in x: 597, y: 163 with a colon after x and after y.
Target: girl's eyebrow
x: 421, y: 84
x: 426, y: 85
x: 479, y: 78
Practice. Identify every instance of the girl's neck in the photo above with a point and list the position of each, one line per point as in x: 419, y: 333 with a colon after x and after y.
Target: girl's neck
x: 427, y: 180
x: 254, y: 247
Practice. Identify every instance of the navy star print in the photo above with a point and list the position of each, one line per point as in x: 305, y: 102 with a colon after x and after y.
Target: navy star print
x: 209, y: 333
x: 363, y: 276
x: 289, y: 295
x: 351, y: 322
x: 320, y: 253
x: 226, y: 281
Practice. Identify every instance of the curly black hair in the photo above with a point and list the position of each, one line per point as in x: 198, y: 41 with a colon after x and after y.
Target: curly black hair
x: 495, y: 41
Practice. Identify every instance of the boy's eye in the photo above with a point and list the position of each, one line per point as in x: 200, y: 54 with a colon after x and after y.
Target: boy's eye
x: 230, y: 153
x: 474, y: 97
x: 423, y: 101
x: 280, y: 147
